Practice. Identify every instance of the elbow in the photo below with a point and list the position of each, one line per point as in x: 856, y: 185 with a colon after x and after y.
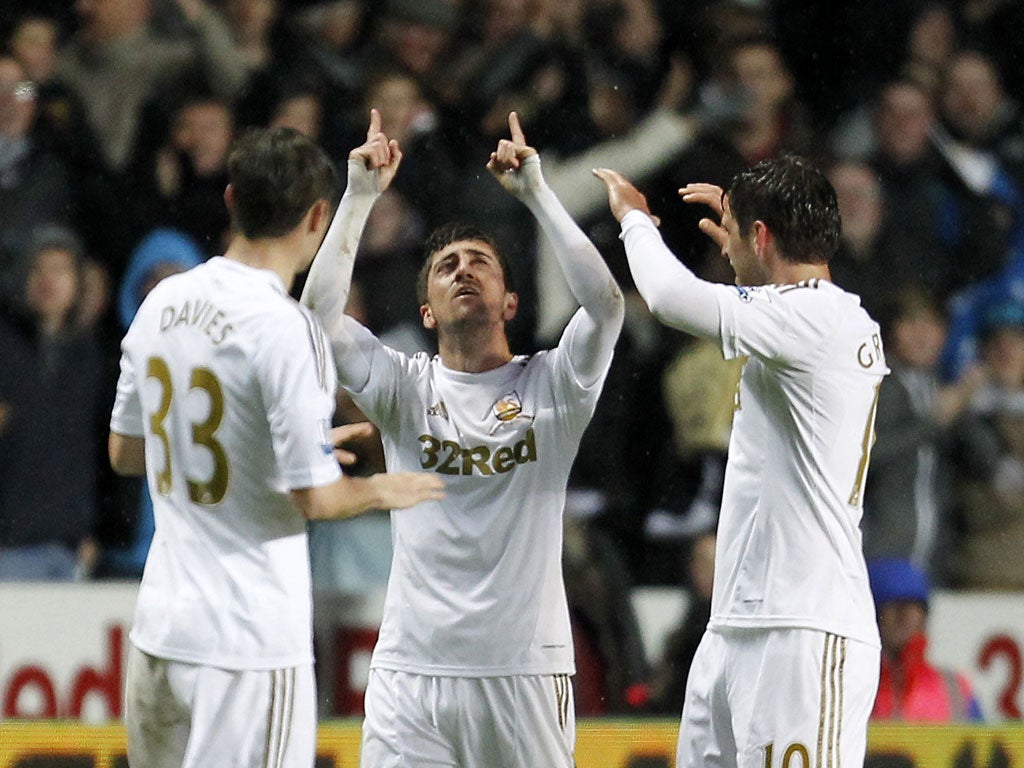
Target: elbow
x: 127, y: 455
x: 309, y: 503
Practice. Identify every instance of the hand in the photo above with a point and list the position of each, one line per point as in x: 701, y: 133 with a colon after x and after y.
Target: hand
x: 400, y: 490
x: 623, y: 197
x: 711, y: 196
x: 362, y: 434
x: 506, y: 163
x: 379, y: 155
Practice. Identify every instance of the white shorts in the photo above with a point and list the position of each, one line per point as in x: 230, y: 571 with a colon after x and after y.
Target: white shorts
x: 185, y: 715
x: 777, y: 698
x: 419, y: 721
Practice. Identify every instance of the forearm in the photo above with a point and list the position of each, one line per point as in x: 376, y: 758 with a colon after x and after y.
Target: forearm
x: 225, y: 66
x: 592, y: 333
x: 330, y: 277
x: 588, y: 277
x: 675, y: 295
x: 344, y: 498
x: 656, y: 141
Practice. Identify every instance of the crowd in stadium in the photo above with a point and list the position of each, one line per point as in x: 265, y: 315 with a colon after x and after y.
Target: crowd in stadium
x: 116, y: 117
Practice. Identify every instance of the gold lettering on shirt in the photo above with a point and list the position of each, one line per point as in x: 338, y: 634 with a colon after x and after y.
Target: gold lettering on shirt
x: 200, y: 314
x: 450, y: 458
x: 870, y: 351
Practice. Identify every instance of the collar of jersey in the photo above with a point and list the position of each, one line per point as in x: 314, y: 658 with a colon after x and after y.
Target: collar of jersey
x: 269, y: 276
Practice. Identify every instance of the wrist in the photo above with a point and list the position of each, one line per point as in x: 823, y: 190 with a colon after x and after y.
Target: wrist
x: 635, y: 217
x: 362, y: 182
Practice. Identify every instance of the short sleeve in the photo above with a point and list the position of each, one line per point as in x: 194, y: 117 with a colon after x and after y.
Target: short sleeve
x: 126, y: 416
x: 785, y: 324
x: 295, y: 370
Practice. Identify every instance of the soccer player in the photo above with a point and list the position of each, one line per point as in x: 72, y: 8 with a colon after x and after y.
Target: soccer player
x: 474, y: 657
x: 224, y: 402
x: 787, y: 670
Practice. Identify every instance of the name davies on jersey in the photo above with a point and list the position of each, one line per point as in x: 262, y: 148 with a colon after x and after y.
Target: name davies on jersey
x: 450, y: 458
x: 199, y: 314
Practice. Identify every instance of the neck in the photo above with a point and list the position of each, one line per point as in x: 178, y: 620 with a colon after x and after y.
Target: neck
x: 275, y: 254
x: 787, y: 273
x: 474, y: 350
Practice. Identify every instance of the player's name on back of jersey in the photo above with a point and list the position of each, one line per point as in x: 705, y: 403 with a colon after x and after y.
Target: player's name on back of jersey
x: 199, y: 314
x: 450, y: 458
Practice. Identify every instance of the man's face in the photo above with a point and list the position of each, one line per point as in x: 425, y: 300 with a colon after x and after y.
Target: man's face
x: 739, y: 250
x: 466, y: 287
x: 899, y: 621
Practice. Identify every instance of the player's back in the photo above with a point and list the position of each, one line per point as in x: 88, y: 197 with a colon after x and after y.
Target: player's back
x: 790, y: 547
x: 226, y: 582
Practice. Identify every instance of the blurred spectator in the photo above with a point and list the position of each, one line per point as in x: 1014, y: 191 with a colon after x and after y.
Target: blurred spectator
x: 980, y: 113
x: 993, y: 25
x: 611, y: 670
x: 162, y: 253
x: 989, y: 456
x: 116, y: 63
x: 699, y: 389
x: 252, y: 23
x: 908, y: 491
x: 62, y: 129
x: 334, y: 30
x: 414, y: 36
x: 33, y: 182
x: 429, y: 178
x: 51, y: 394
x: 861, y: 265
x: 389, y: 254
x: 910, y: 688
x: 931, y: 44
x: 180, y: 183
x: 769, y: 121
x: 945, y: 228
x: 668, y: 681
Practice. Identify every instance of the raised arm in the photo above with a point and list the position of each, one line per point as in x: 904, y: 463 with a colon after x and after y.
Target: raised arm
x: 371, y: 168
x: 675, y: 295
x: 593, y: 330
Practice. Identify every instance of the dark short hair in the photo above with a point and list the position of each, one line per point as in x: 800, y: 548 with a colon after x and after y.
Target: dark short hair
x: 456, y: 232
x: 277, y: 175
x: 797, y: 203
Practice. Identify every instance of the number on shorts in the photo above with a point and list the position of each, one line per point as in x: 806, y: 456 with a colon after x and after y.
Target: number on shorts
x: 207, y: 492
x: 787, y: 757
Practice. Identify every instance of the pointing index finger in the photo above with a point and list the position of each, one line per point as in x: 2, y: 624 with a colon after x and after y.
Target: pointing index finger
x: 516, y: 129
x: 374, y: 124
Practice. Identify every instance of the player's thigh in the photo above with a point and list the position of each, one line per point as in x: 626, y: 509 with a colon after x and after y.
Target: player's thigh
x: 400, y: 727
x: 706, y: 738
x: 184, y: 715
x: 419, y: 721
x: 532, y: 720
x: 156, y: 713
x: 253, y: 718
x: 808, y: 701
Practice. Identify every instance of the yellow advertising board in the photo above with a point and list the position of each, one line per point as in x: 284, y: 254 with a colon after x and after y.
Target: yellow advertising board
x: 600, y: 744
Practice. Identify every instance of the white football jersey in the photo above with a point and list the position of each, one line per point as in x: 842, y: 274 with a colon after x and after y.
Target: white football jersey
x: 232, y: 383
x: 789, y: 541
x: 476, y: 583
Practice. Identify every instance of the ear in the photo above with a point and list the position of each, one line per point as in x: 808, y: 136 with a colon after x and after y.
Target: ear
x: 229, y: 199
x: 511, y: 306
x: 427, y: 315
x: 762, y: 238
x: 319, y: 217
